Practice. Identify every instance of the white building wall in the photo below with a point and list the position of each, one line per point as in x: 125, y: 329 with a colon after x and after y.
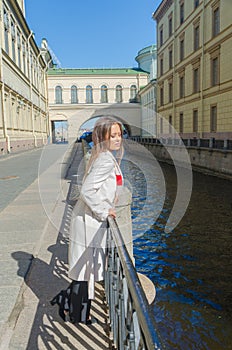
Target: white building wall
x: 23, y: 111
x: 96, y: 82
x: 147, y: 60
x: 148, y: 110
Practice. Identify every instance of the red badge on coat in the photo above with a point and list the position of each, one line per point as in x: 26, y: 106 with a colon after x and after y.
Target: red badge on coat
x: 119, y: 180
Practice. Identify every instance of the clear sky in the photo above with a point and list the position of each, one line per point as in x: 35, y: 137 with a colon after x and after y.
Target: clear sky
x: 93, y: 33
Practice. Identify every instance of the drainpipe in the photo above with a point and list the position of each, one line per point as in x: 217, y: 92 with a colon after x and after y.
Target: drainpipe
x: 3, y: 105
x: 49, y: 132
x: 30, y: 80
x: 3, y: 109
x: 39, y: 90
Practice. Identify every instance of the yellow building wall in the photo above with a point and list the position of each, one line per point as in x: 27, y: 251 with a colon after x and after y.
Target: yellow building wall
x: 219, y: 95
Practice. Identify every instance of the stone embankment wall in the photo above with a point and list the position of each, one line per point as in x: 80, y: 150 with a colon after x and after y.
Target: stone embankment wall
x: 211, y: 161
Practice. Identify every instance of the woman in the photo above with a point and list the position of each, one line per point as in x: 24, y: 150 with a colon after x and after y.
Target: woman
x: 87, y: 242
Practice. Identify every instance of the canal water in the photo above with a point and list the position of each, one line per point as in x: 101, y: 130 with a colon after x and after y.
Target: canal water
x: 191, y: 266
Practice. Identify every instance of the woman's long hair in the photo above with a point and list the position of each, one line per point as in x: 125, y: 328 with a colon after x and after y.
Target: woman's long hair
x: 101, y: 139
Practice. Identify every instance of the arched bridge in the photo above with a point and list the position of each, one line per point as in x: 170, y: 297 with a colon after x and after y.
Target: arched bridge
x: 128, y: 113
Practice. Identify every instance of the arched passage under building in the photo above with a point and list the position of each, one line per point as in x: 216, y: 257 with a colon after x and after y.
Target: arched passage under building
x: 89, y: 124
x: 59, y: 131
x: 128, y: 113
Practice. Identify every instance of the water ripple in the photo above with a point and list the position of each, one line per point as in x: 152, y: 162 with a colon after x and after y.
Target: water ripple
x: 191, y: 266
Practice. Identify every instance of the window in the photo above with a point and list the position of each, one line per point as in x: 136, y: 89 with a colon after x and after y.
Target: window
x: 196, y: 37
x: 161, y: 96
x: 74, y: 94
x: 195, y: 120
x: 89, y: 94
x: 161, y: 66
x: 24, y: 56
x: 181, y: 122
x: 170, y: 124
x: 170, y: 26
x: 58, y: 94
x: 182, y: 49
x: 196, y: 3
x: 6, y: 40
x: 216, y: 21
x: 6, y: 31
x: 215, y: 71
x: 161, y: 36
x: 104, y: 94
x: 13, y: 40
x: 28, y: 64
x: 133, y: 92
x: 196, y: 80
x: 182, y: 13
x: 170, y: 91
x: 213, y: 119
x: 181, y: 86
x: 170, y: 58
x: 30, y: 68
x: 161, y: 125
x: 19, y: 48
x: 32, y: 72
x: 118, y: 96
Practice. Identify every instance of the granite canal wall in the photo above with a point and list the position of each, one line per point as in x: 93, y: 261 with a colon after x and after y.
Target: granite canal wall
x: 208, y: 160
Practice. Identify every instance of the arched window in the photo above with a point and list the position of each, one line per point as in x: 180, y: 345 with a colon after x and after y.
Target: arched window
x: 133, y: 91
x: 58, y: 92
x: 104, y: 94
x: 89, y: 94
x: 74, y: 94
x: 118, y: 96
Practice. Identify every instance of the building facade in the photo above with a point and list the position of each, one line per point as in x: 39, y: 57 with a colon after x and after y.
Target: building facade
x: 95, y: 85
x: 147, y: 96
x: 194, y: 82
x: 76, y: 95
x: 23, y: 90
x: 147, y: 60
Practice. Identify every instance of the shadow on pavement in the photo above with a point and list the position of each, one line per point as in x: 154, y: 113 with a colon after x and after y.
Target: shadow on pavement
x: 47, y: 330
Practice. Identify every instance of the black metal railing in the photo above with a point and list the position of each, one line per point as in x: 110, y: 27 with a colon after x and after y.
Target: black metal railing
x: 211, y: 143
x: 132, y: 324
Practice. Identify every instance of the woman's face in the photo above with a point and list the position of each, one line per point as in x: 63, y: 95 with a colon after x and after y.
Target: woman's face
x: 115, y: 138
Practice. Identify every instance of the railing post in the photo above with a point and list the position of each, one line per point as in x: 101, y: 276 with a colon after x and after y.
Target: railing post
x: 226, y: 143
x: 211, y: 142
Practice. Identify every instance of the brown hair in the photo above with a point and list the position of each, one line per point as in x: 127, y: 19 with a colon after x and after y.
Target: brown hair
x: 100, y: 138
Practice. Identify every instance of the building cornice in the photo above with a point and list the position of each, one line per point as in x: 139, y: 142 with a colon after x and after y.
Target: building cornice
x: 95, y: 71
x: 162, y: 9
x: 14, y: 6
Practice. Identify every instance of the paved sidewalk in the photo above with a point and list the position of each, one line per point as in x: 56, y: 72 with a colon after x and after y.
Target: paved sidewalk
x: 33, y: 256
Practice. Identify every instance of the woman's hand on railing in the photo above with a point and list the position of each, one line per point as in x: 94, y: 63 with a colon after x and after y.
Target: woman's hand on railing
x: 112, y: 212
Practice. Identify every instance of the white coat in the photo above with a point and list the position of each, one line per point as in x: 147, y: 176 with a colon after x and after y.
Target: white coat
x: 88, y: 231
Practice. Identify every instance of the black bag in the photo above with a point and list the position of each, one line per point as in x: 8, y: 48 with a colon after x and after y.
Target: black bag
x: 73, y: 302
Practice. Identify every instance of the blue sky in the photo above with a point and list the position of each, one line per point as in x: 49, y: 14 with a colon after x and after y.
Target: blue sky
x: 93, y: 33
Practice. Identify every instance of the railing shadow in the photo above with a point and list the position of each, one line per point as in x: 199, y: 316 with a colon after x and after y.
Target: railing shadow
x: 44, y: 280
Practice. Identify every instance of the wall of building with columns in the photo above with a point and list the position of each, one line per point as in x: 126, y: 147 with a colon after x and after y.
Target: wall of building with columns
x: 23, y: 87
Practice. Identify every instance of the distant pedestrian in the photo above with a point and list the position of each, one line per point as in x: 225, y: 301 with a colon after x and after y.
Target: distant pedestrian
x: 88, y: 233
